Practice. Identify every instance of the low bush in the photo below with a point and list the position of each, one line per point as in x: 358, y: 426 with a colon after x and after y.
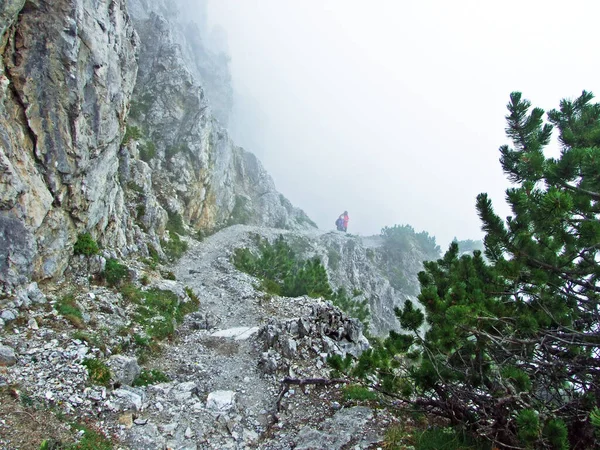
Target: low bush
x: 357, y: 392
x: 67, y: 307
x: 132, y: 133
x: 85, y: 245
x: 174, y: 248
x: 152, y: 376
x: 282, y: 272
x: 98, y: 372
x: 159, y: 311
x: 168, y: 275
x: 175, y: 223
x: 147, y: 151
x: 114, y: 272
x: 91, y: 439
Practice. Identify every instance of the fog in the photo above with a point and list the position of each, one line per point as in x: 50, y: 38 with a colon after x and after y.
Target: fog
x: 395, y: 110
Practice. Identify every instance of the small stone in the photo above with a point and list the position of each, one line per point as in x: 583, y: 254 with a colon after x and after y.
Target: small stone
x: 140, y: 421
x: 188, y: 433
x: 7, y: 356
x: 8, y: 315
x: 32, y: 324
x: 128, y: 400
x: 170, y: 428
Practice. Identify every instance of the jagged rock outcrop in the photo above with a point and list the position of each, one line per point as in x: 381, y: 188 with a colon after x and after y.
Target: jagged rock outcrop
x: 197, y: 171
x: 202, y: 49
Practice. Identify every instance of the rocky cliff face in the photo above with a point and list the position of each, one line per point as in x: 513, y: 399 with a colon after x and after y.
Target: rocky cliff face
x: 198, y: 172
x: 66, y: 76
x: 67, y: 73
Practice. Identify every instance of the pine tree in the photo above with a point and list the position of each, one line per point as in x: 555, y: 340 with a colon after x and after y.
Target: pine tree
x: 511, y: 349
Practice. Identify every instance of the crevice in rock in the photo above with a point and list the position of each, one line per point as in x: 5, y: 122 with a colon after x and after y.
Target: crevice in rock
x: 10, y: 53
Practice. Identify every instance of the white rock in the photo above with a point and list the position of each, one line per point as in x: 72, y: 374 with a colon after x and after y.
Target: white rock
x: 32, y: 324
x: 220, y: 400
x: 128, y: 400
x: 238, y: 333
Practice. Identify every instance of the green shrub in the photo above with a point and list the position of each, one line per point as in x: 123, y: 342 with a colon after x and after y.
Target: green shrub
x: 193, y: 298
x: 131, y: 293
x: 141, y: 341
x: 358, y: 392
x: 135, y: 188
x: 334, y: 259
x: 91, y: 439
x: 140, y: 211
x: 447, y: 439
x: 92, y: 339
x: 67, y: 307
x: 85, y: 245
x: 114, y: 272
x: 98, y: 372
x: 175, y: 223
x: 528, y: 425
x: 152, y: 376
x: 159, y: 311
x: 131, y: 133
x: 240, y: 213
x: 153, y: 252
x: 556, y: 433
x: 174, y: 150
x: 140, y: 106
x: 174, y: 248
x: 168, y: 275
x: 282, y: 272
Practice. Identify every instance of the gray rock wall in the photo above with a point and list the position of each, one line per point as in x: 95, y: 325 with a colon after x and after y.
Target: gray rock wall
x: 67, y: 69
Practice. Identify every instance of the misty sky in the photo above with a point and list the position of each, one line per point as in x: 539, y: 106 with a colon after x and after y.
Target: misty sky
x: 394, y: 110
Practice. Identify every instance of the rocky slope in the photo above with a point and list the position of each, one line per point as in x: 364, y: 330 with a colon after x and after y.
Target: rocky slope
x: 111, y: 123
x: 224, y: 367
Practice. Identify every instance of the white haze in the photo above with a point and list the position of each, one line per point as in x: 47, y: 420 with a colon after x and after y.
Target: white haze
x: 395, y: 110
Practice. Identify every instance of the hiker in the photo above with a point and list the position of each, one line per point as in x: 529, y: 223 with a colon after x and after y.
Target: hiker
x: 342, y: 222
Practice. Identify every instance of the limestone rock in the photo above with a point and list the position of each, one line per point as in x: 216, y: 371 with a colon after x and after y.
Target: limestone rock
x: 124, y: 369
x: 220, y: 400
x: 7, y: 356
x: 61, y: 123
x: 127, y: 400
x: 337, y: 432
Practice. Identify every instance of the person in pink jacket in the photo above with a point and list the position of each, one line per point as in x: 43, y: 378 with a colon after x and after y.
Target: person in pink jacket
x: 343, y: 221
